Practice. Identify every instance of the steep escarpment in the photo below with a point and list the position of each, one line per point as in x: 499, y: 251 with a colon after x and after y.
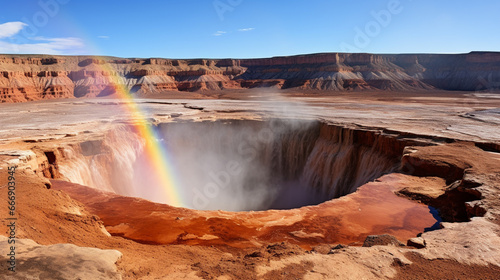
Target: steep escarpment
x: 34, y: 77
x: 468, y: 72
x: 336, y: 71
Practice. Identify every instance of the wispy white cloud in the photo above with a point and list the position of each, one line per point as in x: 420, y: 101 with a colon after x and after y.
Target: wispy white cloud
x: 246, y: 29
x: 36, y: 45
x: 10, y: 29
x: 103, y: 37
x: 219, y: 33
x: 45, y: 46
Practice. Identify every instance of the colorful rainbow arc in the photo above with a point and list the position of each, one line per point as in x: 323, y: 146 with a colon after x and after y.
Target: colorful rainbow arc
x: 156, y: 152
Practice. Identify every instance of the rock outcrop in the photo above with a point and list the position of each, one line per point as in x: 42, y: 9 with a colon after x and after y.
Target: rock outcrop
x: 381, y: 240
x: 34, y: 77
x: 60, y: 261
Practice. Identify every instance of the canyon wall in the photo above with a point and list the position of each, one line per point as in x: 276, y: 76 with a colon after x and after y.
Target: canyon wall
x: 34, y: 77
x: 106, y: 164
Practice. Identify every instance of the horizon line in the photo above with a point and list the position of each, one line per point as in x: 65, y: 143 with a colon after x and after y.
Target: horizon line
x: 222, y: 58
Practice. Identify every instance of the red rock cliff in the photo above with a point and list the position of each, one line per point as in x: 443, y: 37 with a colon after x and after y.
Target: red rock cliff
x: 34, y: 77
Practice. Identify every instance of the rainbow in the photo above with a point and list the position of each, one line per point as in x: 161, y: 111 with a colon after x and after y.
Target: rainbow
x: 159, y: 159
x: 156, y: 151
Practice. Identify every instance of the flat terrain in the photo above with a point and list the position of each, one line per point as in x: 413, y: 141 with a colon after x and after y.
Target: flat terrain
x: 458, y: 115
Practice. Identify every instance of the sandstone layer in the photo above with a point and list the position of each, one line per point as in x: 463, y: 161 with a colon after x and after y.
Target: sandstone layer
x: 34, y: 77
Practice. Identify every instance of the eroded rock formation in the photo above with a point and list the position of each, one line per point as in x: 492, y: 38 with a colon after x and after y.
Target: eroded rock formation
x: 34, y: 77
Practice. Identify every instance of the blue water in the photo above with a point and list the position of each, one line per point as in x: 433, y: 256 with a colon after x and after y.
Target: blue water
x: 435, y: 214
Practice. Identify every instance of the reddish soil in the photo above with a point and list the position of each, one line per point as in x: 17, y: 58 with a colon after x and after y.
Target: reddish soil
x: 424, y: 269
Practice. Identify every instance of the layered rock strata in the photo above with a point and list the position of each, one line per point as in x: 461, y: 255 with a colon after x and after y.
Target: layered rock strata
x: 34, y: 77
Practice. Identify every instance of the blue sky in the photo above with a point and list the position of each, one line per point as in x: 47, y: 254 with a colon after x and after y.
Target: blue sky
x: 245, y: 28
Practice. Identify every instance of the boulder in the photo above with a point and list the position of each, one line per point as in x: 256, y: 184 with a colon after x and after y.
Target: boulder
x: 383, y: 239
x: 417, y: 242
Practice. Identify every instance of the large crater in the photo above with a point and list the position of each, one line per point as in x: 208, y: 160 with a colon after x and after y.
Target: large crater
x: 237, y: 165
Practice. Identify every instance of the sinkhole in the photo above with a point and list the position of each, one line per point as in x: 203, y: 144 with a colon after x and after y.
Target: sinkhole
x: 237, y: 165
